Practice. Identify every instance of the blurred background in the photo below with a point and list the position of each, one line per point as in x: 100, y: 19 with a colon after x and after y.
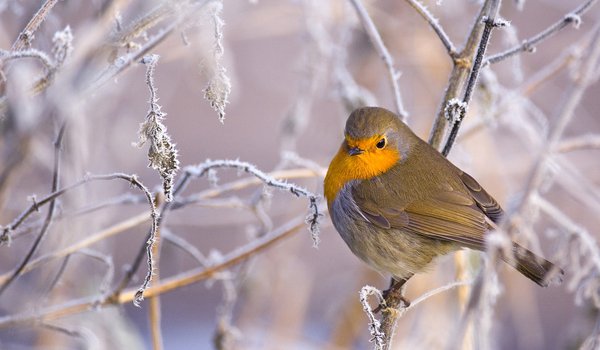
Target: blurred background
x: 295, y: 68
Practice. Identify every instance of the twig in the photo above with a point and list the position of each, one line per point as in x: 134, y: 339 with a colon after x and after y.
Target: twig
x: 59, y: 273
x: 383, y: 52
x: 437, y: 291
x: 458, y: 77
x: 154, y: 312
x: 435, y: 25
x: 550, y: 70
x: 29, y: 53
x: 457, y: 118
x: 49, y: 215
x: 312, y: 219
x: 63, y: 330
x: 185, y: 246
x: 123, y: 62
x: 143, y: 217
x: 243, y: 183
x: 377, y: 336
x: 91, y: 239
x: 528, y: 45
x: 580, y: 142
x: 107, y: 261
x: 143, y: 24
x: 162, y: 153
x: 132, y: 179
x: 560, y: 217
x: 28, y: 32
x: 395, y: 308
x: 575, y: 93
x: 183, y: 279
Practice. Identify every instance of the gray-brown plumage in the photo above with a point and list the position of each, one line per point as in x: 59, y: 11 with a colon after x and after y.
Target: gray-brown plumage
x: 398, y: 203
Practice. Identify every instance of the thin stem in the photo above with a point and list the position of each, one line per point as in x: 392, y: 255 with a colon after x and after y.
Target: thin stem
x: 154, y: 312
x: 575, y: 93
x: 59, y: 273
x: 578, y: 143
x: 383, y: 52
x: 574, y: 17
x: 490, y: 23
x: 132, y: 179
x: 435, y: 25
x: 143, y: 217
x: 90, y: 240
x: 28, y: 32
x: 49, y: 215
x: 458, y: 77
x: 166, y: 285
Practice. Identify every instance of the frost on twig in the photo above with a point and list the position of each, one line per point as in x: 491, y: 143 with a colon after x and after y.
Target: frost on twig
x: 162, y: 152
x: 62, y: 45
x: 383, y: 52
x: 313, y: 217
x: 377, y: 336
x: 455, y: 111
x: 219, y: 86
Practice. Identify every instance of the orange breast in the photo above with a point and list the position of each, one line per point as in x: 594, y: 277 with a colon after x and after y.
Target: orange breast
x: 345, y: 168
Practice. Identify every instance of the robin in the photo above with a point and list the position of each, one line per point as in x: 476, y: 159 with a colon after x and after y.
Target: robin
x: 398, y: 203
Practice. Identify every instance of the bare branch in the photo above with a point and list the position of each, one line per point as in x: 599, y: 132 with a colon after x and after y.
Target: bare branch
x: 312, y: 219
x: 182, y: 279
x: 435, y: 25
x: 458, y: 77
x: 27, y: 34
x: 132, y: 179
x: 378, y: 337
x: 490, y: 23
x: 528, y: 45
x: 383, y: 52
x: 162, y: 153
x: 589, y: 141
x: 49, y: 215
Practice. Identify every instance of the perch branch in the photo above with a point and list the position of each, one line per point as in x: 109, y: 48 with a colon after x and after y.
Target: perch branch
x: 456, y: 119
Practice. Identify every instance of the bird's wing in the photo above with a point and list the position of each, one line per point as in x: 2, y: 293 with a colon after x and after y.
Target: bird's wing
x: 485, y: 202
x: 446, y: 215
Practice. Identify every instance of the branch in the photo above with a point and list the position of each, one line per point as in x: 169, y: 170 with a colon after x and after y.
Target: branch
x: 378, y: 337
x: 435, y: 25
x: 458, y: 77
x: 28, y: 32
x: 166, y: 285
x: 457, y: 117
x: 49, y: 215
x: 154, y: 312
x: 162, y: 154
x: 528, y: 45
x: 383, y: 52
x: 143, y: 217
x: 132, y: 179
x: 312, y: 219
x: 580, y: 142
x: 584, y: 77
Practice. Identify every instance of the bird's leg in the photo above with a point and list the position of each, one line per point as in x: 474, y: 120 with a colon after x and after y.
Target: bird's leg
x: 394, y: 292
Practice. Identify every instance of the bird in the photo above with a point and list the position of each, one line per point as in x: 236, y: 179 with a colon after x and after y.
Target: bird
x: 398, y: 203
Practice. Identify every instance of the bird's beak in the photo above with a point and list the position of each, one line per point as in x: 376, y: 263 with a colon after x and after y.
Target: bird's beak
x: 355, y: 151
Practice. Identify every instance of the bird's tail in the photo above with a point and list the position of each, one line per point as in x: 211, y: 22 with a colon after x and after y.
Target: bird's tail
x: 534, y: 267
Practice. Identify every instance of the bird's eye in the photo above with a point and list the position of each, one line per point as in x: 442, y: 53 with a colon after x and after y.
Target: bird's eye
x: 381, y: 143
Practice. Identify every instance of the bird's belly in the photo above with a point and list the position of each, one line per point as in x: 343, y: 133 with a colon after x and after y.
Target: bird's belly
x: 392, y: 251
